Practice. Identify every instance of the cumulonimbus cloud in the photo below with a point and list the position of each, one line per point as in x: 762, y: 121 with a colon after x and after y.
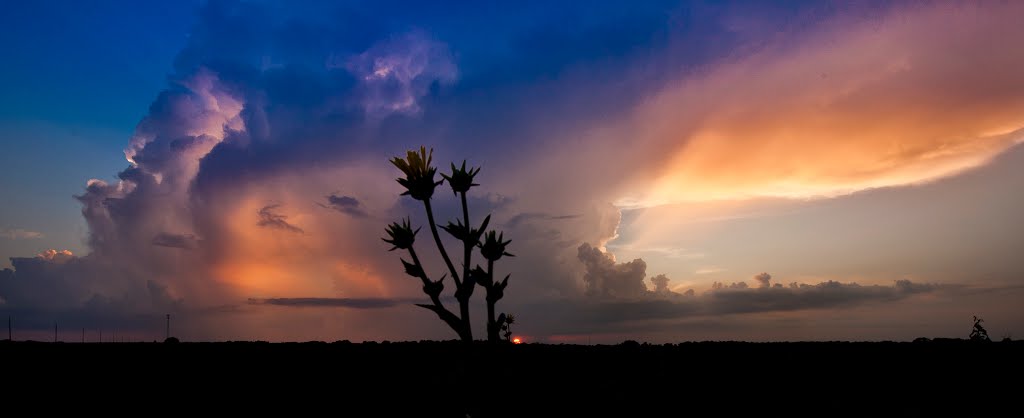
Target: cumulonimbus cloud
x: 605, y: 277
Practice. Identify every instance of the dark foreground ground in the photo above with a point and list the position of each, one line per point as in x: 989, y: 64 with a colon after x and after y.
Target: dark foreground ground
x: 937, y: 378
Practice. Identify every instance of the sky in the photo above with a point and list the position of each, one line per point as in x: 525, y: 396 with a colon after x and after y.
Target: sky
x: 666, y: 171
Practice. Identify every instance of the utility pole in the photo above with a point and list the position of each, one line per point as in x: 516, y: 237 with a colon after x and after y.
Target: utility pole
x: 10, y: 335
x: 168, y: 326
x: 54, y: 332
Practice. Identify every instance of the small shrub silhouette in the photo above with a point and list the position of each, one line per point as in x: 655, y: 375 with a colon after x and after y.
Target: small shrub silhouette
x: 979, y: 333
x: 505, y: 322
x: 420, y: 185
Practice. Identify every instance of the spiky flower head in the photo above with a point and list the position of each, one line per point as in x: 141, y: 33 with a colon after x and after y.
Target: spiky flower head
x: 493, y: 247
x: 481, y: 277
x: 465, y: 234
x: 461, y: 179
x: 419, y: 174
x: 401, y: 235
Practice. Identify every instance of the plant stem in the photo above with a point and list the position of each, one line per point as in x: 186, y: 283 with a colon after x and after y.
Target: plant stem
x: 416, y: 260
x: 492, y: 326
x: 447, y: 316
x: 440, y: 246
x: 463, y: 302
x: 466, y: 259
x: 467, y: 246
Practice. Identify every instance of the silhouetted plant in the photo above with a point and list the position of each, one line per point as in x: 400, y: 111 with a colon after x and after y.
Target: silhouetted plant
x: 420, y: 185
x: 506, y: 321
x: 979, y: 333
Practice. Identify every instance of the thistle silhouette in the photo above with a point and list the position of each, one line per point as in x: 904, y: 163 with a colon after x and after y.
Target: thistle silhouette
x: 506, y: 321
x: 979, y: 333
x: 420, y: 185
x: 493, y: 249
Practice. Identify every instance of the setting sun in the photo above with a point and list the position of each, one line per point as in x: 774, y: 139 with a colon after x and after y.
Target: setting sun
x: 516, y: 340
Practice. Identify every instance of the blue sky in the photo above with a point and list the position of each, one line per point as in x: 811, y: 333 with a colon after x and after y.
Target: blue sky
x: 78, y: 77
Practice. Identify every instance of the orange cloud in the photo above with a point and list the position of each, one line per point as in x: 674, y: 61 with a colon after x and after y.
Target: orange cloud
x: 913, y: 96
x: 319, y: 252
x: 56, y: 256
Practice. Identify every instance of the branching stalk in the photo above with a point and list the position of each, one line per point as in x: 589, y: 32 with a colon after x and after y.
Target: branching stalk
x: 440, y: 246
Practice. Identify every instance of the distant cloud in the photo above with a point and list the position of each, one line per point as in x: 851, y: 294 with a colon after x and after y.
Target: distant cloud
x: 764, y: 279
x: 55, y: 255
x: 824, y: 295
x: 660, y: 283
x: 56, y: 282
x: 345, y: 204
x: 605, y: 277
x: 183, y: 241
x: 734, y: 285
x: 536, y: 216
x: 595, y: 314
x: 355, y: 303
x: 20, y: 234
x: 668, y: 252
x: 270, y: 219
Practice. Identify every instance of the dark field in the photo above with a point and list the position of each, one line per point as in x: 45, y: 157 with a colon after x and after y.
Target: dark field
x: 939, y: 378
